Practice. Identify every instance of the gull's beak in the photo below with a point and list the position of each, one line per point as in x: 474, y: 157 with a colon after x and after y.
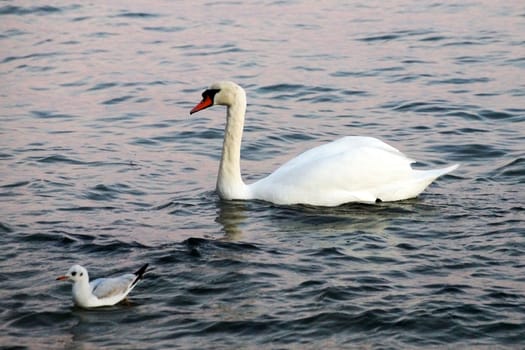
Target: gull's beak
x: 62, y: 278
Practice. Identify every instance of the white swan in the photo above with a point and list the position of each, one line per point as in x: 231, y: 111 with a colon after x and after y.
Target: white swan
x: 351, y: 169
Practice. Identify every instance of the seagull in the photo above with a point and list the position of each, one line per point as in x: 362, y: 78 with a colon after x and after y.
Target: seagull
x: 102, y: 291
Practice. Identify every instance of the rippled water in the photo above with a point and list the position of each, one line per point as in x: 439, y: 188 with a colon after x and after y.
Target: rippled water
x: 102, y: 165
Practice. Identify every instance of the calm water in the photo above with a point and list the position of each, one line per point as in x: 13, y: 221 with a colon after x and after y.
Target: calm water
x: 101, y: 164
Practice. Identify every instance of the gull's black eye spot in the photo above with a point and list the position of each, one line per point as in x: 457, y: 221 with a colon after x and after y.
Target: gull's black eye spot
x: 73, y: 273
x: 81, y: 274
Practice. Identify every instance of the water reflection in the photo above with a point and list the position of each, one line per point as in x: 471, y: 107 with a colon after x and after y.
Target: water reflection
x: 239, y: 218
x: 231, y: 215
x: 94, y: 325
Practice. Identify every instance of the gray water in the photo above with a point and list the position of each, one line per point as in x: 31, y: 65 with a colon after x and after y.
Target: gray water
x: 101, y: 164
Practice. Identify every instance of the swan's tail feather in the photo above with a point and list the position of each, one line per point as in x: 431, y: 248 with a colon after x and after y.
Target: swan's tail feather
x: 414, y: 186
x: 435, y: 173
x: 426, y: 177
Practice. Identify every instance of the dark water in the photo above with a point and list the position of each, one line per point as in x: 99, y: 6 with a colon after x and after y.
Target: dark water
x: 100, y: 164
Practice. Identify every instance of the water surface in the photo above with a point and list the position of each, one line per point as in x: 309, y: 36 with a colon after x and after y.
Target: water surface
x: 101, y: 164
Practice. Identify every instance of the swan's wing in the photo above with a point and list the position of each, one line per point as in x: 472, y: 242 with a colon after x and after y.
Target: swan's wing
x: 346, y: 170
x: 109, y: 287
x: 343, y: 145
x: 358, y: 151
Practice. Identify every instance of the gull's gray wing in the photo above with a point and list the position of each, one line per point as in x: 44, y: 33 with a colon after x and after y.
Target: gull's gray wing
x: 110, y: 287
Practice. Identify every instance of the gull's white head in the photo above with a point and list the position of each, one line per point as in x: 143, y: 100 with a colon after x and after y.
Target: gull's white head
x: 74, y: 274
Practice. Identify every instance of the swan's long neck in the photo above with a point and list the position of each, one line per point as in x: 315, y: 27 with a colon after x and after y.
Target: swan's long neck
x: 229, y: 180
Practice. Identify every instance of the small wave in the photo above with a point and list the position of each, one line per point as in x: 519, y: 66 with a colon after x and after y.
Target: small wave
x: 329, y: 252
x: 518, y: 62
x: 440, y: 289
x: 21, y: 11
x: 86, y: 208
x: 58, y: 158
x: 357, y: 74
x: 322, y: 99
x: 143, y: 141
x: 206, y: 134
x: 395, y: 35
x: 165, y: 29
x: 12, y: 33
x: 434, y: 38
x: 102, y: 86
x: 464, y: 43
x: 514, y: 171
x: 117, y: 100
x: 52, y: 115
x: 16, y: 184
x: 5, y: 228
x: 203, y: 243
x: 313, y: 94
x: 103, y: 192
x: 467, y: 152
x: 31, y: 56
x: 422, y: 106
x: 506, y: 332
x: 460, y: 81
x: 494, y: 115
x: 464, y: 115
x: 209, y: 50
x: 137, y: 15
x: 83, y: 243
x: 55, y: 237
x: 469, y: 59
x: 99, y: 35
x: 32, y: 320
x: 81, y: 18
x: 383, y: 37
x: 279, y: 88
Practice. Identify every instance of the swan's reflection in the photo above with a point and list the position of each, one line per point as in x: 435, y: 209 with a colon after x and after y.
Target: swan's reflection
x: 237, y: 217
x: 231, y: 215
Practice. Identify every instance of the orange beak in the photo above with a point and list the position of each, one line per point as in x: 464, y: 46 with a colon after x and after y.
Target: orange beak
x: 205, y: 103
x: 62, y: 278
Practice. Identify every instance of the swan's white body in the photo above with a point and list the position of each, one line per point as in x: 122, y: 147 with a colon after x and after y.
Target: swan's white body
x: 351, y: 169
x: 102, y: 291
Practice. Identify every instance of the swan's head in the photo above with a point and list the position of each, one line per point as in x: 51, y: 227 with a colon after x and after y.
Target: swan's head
x: 74, y: 274
x: 221, y: 93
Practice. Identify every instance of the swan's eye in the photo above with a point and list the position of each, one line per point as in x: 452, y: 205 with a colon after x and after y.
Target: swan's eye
x: 81, y: 274
x: 74, y: 273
